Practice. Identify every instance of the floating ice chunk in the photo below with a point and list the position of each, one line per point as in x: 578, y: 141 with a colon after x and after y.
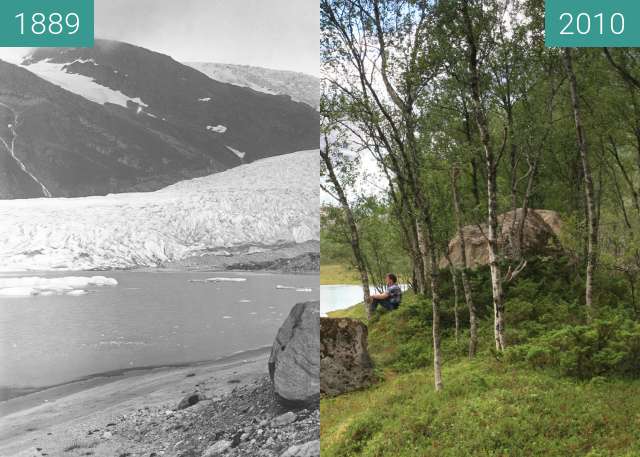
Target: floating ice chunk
x: 244, y: 301
x: 34, y: 285
x: 17, y: 292
x: 219, y: 280
x: 206, y: 99
x: 226, y: 279
x: 217, y: 128
x: 227, y: 317
x: 77, y: 292
x: 297, y: 289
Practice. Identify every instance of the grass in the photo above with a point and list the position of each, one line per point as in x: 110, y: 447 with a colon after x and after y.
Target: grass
x: 490, y: 406
x: 338, y: 274
x: 486, y: 409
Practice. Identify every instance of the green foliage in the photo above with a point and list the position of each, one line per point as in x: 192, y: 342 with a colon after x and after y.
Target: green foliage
x: 601, y: 348
x: 486, y: 409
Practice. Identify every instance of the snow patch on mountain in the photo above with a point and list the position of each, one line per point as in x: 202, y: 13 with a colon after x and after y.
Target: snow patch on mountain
x: 240, y: 154
x: 266, y: 203
x: 217, y: 128
x: 84, y: 86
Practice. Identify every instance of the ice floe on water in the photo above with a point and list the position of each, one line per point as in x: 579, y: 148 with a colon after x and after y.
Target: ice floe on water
x: 219, y: 280
x: 297, y: 289
x: 35, y: 285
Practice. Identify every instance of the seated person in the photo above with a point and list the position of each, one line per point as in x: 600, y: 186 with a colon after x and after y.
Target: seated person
x: 389, y: 299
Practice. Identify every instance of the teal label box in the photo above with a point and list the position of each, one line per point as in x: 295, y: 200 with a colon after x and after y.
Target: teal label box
x: 592, y: 23
x: 47, y: 23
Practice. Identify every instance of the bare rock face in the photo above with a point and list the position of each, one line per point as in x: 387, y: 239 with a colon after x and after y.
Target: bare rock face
x: 345, y: 364
x: 294, y: 365
x: 541, y: 229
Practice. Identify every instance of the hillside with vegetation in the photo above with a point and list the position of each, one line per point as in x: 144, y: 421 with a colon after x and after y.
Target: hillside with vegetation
x: 507, y: 197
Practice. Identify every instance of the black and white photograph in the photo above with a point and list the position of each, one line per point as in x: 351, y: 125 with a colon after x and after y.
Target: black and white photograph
x: 159, y: 234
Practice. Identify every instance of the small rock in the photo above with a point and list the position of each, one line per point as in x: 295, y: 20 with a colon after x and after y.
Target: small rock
x: 190, y: 400
x: 218, y: 448
x: 107, y: 435
x: 310, y: 449
x: 237, y: 438
x: 284, y: 419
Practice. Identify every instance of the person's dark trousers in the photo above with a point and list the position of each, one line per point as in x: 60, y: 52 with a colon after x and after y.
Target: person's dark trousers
x: 386, y: 304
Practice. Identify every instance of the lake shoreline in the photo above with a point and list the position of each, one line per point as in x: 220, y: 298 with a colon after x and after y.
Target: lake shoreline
x: 52, y: 418
x: 9, y: 394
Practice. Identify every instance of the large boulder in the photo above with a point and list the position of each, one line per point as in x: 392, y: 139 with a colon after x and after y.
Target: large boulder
x: 345, y: 364
x: 294, y: 365
x: 540, y: 235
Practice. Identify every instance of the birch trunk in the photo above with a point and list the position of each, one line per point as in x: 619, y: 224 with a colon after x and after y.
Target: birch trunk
x: 473, y: 321
x: 492, y: 184
x: 435, y: 303
x: 353, y: 230
x: 592, y: 216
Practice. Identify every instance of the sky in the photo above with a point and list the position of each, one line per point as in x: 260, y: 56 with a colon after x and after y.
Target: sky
x: 279, y: 34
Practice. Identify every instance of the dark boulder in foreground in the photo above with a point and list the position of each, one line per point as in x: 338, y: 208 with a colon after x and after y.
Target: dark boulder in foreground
x: 345, y: 364
x: 294, y: 365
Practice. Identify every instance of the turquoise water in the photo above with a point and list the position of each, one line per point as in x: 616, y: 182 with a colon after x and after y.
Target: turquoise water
x: 342, y: 296
x: 148, y: 319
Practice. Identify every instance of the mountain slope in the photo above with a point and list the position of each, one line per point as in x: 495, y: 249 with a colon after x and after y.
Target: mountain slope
x: 266, y: 203
x: 119, y: 118
x: 299, y: 86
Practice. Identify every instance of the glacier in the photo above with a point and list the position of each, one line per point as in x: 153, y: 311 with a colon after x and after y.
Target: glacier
x: 267, y: 203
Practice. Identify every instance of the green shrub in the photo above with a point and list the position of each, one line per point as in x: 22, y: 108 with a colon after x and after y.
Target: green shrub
x: 603, y: 348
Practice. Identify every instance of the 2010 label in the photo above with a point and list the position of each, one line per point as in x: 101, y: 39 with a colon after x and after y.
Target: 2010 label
x: 582, y: 24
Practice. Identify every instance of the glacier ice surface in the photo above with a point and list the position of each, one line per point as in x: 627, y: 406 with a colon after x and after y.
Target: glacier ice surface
x: 267, y: 203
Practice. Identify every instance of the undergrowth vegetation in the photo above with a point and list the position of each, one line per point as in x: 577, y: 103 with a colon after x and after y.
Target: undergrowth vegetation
x: 566, y: 385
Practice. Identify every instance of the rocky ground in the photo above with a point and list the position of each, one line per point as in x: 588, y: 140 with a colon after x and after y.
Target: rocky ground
x: 297, y: 258
x: 247, y: 422
x: 148, y: 416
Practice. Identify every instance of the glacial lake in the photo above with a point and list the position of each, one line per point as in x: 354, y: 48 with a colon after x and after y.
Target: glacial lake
x: 342, y: 296
x: 150, y: 318
x: 339, y: 296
